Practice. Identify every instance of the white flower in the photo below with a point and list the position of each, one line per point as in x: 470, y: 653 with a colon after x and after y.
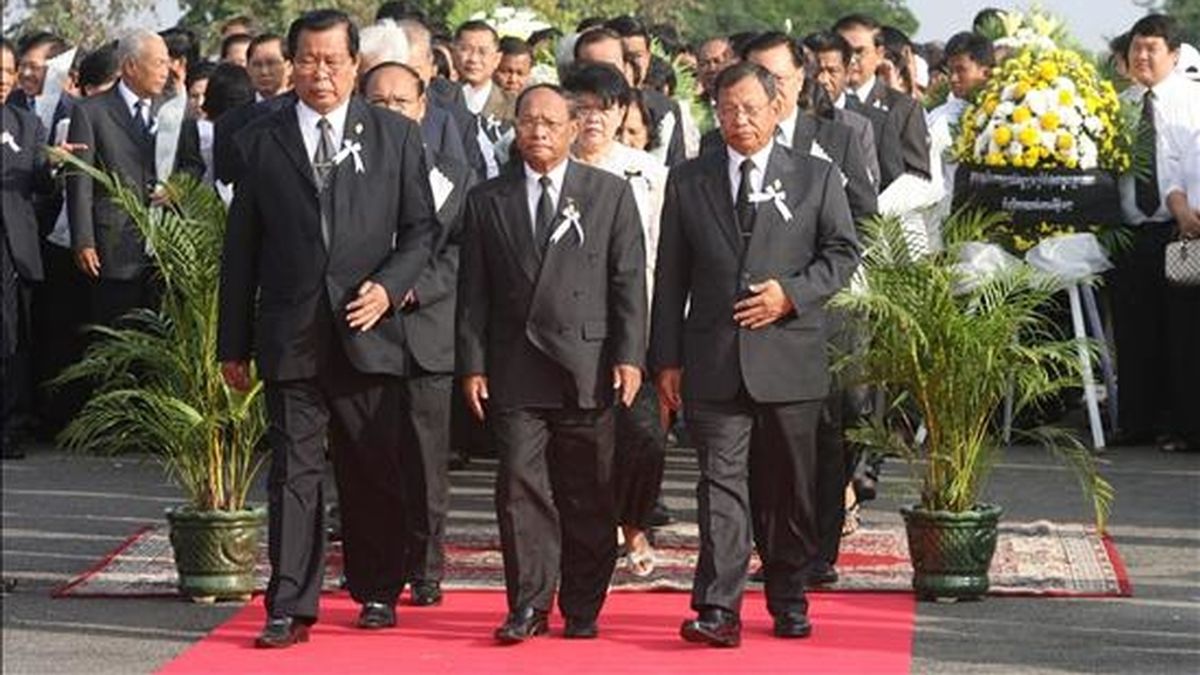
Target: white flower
x: 1038, y: 101
x: 1005, y: 109
x: 1049, y: 139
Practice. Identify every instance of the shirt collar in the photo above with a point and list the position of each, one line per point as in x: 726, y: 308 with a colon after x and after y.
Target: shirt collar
x: 840, y: 103
x: 760, y: 158
x: 337, y: 117
x: 129, y: 97
x: 787, y: 127
x: 864, y: 92
x: 476, y: 97
x: 557, y: 174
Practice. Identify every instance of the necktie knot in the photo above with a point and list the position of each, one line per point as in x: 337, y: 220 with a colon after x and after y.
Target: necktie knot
x: 746, y: 167
x: 545, y: 182
x: 744, y: 208
x: 323, y: 124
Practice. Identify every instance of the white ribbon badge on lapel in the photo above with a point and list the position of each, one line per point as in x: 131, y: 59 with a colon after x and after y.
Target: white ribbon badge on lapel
x: 570, y: 220
x: 7, y: 139
x: 352, y: 148
x: 774, y: 193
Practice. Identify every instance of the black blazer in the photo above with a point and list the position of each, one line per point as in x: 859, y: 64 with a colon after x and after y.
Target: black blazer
x: 23, y: 174
x: 441, y: 135
x: 103, y: 123
x: 901, y: 137
x: 659, y: 105
x: 429, y: 327
x: 227, y: 163
x: 701, y: 258
x: 382, y: 229
x: 547, y: 333
x: 448, y: 97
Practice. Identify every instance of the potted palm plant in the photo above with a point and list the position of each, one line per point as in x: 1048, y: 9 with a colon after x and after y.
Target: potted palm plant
x: 158, y: 388
x: 949, y: 346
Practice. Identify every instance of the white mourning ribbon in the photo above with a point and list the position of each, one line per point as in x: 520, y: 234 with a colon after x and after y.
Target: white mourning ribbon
x: 7, y: 139
x: 351, y: 149
x: 980, y: 261
x: 169, y: 123
x: 1071, y: 258
x: 774, y: 193
x: 441, y: 186
x: 570, y: 220
x: 58, y: 69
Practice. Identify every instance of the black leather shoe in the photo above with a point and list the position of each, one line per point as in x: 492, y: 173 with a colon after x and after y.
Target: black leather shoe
x: 426, y: 593
x: 820, y: 574
x: 792, y: 625
x: 521, y: 625
x: 713, y: 627
x: 580, y: 629
x: 281, y: 632
x: 376, y: 615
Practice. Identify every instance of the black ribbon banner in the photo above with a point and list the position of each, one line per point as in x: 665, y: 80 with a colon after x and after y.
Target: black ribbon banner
x: 1035, y: 197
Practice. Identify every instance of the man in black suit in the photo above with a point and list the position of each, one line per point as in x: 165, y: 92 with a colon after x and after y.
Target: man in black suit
x: 832, y: 57
x: 119, y: 130
x: 755, y: 239
x: 901, y: 136
x: 551, y: 320
x: 428, y: 316
x: 319, y: 253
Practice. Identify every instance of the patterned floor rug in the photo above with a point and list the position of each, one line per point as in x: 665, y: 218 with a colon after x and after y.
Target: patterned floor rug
x: 1035, y: 559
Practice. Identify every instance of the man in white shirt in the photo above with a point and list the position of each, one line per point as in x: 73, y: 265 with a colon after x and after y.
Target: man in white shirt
x: 1157, y: 326
x: 969, y: 59
x: 476, y: 57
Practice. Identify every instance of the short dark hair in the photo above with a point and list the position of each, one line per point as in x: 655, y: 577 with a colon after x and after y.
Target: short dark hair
x: 744, y: 70
x: 400, y: 10
x: 476, y: 26
x: 515, y: 46
x: 637, y: 99
x: 1158, y: 25
x: 320, y: 20
x: 201, y: 70
x: 41, y: 38
x: 229, y: 86
x: 601, y: 80
x: 829, y: 41
x: 235, y: 39
x: 99, y: 66
x: 365, y: 79
x: 668, y: 36
x: 627, y: 26
x: 738, y: 41
x: 588, y: 23
x: 441, y: 64
x: 181, y: 44
x: 852, y: 21
x: 549, y: 87
x: 972, y: 45
x: 772, y: 40
x: 592, y: 36
x: 546, y: 34
x: 262, y: 39
x: 660, y: 75
x: 1119, y: 46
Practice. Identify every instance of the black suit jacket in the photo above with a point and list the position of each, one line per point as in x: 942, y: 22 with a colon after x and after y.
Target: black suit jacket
x: 843, y: 149
x: 701, y: 258
x: 448, y: 96
x: 659, y: 105
x: 24, y: 174
x: 227, y: 162
x: 441, y: 135
x: 382, y: 229
x: 46, y: 206
x: 901, y: 137
x: 114, y: 143
x: 429, y: 327
x: 547, y: 333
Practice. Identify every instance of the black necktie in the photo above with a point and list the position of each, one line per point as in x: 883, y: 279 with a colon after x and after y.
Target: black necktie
x: 323, y: 158
x: 1145, y: 189
x: 744, y: 208
x: 545, y: 216
x: 140, y: 118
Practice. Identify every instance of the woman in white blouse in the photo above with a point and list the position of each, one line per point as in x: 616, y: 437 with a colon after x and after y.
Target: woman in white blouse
x: 602, y: 97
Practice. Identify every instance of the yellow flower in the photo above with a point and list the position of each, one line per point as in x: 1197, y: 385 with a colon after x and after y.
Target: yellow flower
x: 994, y: 159
x: 989, y: 106
x: 1003, y: 136
x: 1065, y: 98
x: 1048, y: 71
x: 1050, y: 121
x: 1022, y: 89
x: 1022, y: 115
x: 1029, y: 136
x: 1065, y: 141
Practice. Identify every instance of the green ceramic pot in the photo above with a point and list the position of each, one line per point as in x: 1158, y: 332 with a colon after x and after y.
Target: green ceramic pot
x: 951, y: 552
x: 215, y: 551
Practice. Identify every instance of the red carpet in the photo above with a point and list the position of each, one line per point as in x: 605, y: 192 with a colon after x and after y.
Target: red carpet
x: 858, y: 632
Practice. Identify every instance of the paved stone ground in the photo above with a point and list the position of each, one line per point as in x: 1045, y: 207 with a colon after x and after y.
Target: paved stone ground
x: 62, y: 512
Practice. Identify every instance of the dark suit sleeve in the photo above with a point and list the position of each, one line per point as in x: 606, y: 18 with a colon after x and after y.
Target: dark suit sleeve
x: 627, y: 283
x: 416, y: 226
x: 676, y: 148
x: 188, y: 158
x: 915, y: 139
x: 81, y: 189
x: 671, y: 284
x: 239, y: 276
x: 438, y: 281
x: 859, y: 191
x: 836, y: 254
x: 43, y: 182
x: 473, y: 305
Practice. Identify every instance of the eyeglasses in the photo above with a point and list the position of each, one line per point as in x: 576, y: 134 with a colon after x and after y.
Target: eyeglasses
x: 530, y: 124
x: 266, y: 64
x: 333, y: 65
x: 732, y: 112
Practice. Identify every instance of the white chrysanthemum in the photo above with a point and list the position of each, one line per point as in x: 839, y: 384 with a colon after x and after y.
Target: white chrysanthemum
x: 1015, y: 149
x: 1005, y: 109
x: 543, y: 74
x: 1038, y: 101
x: 1064, y: 84
x: 1049, y: 140
x: 1092, y: 124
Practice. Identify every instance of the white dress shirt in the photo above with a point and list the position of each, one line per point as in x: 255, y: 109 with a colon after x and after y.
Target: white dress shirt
x: 787, y: 129
x: 864, y: 92
x: 476, y: 98
x: 533, y: 190
x: 840, y: 103
x: 131, y: 99
x: 756, y: 174
x: 311, y: 133
x: 1176, y: 118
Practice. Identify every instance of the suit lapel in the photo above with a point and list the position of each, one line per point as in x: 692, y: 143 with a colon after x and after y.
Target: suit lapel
x: 573, y: 192
x: 806, y: 132
x: 287, y: 134
x: 767, y: 215
x: 345, y: 173
x: 516, y: 223
x: 716, y: 193
x: 121, y: 115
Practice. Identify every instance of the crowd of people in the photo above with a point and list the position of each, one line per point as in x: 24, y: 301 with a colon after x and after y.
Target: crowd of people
x: 429, y: 246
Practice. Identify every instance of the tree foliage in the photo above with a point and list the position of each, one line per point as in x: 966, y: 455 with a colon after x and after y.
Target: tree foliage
x: 79, y: 22
x: 805, y: 16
